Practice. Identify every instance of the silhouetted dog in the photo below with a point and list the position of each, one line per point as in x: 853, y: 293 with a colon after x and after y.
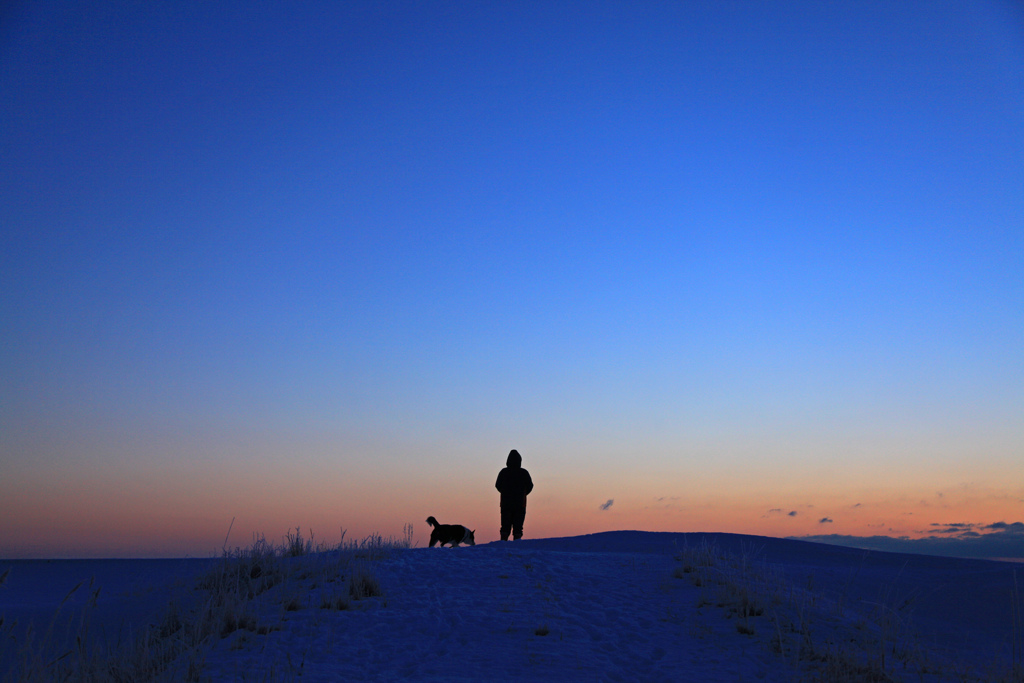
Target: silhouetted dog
x: 450, y: 533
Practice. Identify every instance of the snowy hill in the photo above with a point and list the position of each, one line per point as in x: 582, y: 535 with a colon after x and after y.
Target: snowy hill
x: 622, y: 605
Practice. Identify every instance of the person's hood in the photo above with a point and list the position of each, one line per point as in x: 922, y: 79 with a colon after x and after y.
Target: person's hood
x: 514, y: 459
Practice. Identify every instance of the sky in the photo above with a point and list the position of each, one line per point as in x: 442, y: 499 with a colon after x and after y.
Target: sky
x: 709, y: 266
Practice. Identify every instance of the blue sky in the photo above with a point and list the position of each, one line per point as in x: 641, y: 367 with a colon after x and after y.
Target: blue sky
x: 740, y: 247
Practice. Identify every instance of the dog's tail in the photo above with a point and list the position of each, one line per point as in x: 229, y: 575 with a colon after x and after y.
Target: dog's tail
x: 432, y: 522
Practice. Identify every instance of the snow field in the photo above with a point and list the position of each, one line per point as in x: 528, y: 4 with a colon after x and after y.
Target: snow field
x: 615, y: 606
x: 499, y: 612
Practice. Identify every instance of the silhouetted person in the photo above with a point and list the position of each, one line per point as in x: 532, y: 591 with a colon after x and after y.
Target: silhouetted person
x: 515, y: 484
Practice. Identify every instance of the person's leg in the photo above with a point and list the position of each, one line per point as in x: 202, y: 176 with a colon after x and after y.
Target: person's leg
x: 506, y: 523
x: 517, y: 524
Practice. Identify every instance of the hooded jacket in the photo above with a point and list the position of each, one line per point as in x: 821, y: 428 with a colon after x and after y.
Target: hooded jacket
x: 514, y: 483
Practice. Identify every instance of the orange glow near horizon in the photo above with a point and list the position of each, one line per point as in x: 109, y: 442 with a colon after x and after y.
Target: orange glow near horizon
x: 121, y: 522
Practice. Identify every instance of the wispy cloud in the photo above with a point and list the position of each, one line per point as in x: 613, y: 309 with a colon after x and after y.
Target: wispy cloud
x: 1002, y: 539
x: 954, y: 529
x: 779, y: 511
x: 824, y: 520
x: 605, y: 506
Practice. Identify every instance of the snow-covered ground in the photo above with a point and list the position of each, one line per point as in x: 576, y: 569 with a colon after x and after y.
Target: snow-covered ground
x: 626, y: 605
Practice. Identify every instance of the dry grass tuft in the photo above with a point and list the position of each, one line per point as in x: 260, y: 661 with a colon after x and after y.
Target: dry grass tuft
x: 878, y: 643
x: 363, y: 584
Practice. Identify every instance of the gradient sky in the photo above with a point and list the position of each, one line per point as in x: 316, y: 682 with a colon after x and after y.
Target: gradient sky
x: 733, y: 266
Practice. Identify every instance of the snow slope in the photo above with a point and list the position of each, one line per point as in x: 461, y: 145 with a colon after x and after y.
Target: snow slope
x: 618, y: 606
